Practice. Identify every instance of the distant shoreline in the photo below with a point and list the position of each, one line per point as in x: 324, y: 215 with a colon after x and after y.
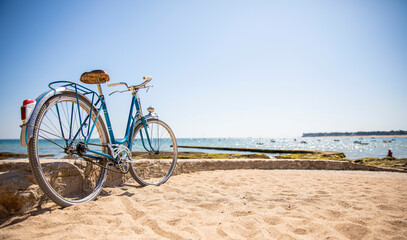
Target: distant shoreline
x: 399, y: 133
x: 392, y: 136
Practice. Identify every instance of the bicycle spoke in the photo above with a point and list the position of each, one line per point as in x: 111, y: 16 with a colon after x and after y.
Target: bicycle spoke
x: 49, y: 140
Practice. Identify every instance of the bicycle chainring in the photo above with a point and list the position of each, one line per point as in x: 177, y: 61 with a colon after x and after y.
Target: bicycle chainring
x: 122, y: 155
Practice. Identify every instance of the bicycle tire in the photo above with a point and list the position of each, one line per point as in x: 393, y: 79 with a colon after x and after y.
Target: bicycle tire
x: 71, y: 179
x: 152, y: 168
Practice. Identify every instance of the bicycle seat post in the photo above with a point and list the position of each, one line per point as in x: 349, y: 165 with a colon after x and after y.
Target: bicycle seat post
x: 100, y: 90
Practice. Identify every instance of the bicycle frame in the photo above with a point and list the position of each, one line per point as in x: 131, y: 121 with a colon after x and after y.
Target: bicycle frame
x: 135, y: 117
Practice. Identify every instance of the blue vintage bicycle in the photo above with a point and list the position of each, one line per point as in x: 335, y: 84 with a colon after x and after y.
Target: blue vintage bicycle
x: 69, y: 117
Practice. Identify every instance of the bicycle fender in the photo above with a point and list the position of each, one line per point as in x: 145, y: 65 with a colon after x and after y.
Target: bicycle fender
x: 27, y: 129
x: 154, y: 115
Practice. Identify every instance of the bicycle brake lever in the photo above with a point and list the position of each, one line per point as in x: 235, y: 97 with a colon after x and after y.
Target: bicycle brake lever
x: 148, y: 88
x: 113, y: 93
x: 118, y: 92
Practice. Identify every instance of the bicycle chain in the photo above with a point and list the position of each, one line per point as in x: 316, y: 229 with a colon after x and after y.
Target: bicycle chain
x: 100, y: 165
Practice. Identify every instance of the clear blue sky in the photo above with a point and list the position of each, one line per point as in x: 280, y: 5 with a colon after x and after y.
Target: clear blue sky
x: 219, y: 68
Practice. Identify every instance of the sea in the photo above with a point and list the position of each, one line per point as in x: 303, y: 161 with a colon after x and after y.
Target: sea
x: 374, y: 147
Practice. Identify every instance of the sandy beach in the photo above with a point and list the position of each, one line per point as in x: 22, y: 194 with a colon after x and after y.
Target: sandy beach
x: 237, y: 204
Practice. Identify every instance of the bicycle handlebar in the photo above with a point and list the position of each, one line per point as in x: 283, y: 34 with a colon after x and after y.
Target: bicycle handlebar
x: 146, y: 78
x: 117, y: 84
x: 131, y: 88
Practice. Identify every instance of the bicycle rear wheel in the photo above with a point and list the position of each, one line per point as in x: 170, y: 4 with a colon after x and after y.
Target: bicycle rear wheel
x: 153, y: 167
x: 64, y: 176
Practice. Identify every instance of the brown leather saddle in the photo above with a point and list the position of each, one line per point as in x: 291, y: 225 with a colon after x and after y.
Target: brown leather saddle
x: 95, y: 77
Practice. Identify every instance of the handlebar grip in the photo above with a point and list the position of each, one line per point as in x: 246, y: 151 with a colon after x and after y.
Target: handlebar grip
x: 147, y: 78
x: 115, y: 84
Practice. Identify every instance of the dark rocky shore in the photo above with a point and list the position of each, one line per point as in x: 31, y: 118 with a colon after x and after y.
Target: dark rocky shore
x: 9, y: 155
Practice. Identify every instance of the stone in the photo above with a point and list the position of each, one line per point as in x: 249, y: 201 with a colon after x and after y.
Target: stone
x: 20, y: 193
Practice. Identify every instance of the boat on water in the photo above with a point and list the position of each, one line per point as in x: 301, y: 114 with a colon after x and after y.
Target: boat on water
x: 336, y: 140
x: 272, y: 140
x: 303, y: 142
x: 360, y: 143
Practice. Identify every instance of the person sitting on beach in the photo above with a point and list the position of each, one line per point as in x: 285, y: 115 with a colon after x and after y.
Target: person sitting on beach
x: 389, y: 154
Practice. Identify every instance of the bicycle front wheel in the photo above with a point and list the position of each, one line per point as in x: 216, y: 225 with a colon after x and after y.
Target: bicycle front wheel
x: 61, y: 127
x: 155, y: 152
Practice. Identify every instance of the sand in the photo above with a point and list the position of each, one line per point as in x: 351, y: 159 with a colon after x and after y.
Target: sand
x: 237, y: 204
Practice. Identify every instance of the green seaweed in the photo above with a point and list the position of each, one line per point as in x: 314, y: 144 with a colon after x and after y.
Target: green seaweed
x: 199, y: 155
x: 400, y: 163
x: 321, y: 156
x: 220, y: 156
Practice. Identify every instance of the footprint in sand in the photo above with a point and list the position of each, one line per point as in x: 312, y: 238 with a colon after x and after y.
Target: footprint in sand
x: 272, y: 220
x: 241, y: 213
x: 386, y: 207
x: 300, y: 231
x: 344, y: 204
x: 173, y: 222
x: 289, y: 207
x: 191, y: 200
x: 134, y: 213
x: 352, y: 231
x: 153, y: 224
x: 209, y: 206
x: 399, y: 224
x: 221, y: 232
x: 333, y: 214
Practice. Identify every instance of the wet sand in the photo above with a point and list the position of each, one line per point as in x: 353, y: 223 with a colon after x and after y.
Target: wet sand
x: 237, y: 204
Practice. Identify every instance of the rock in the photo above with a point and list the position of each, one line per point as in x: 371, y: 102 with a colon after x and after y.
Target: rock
x: 7, y: 155
x: 20, y: 193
